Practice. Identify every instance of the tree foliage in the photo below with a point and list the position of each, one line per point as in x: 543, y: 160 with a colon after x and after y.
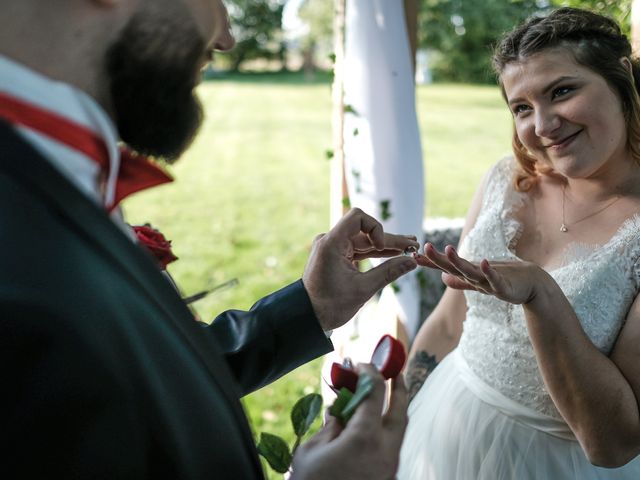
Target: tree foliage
x: 318, y: 17
x: 257, y: 27
x: 460, y: 34
x: 619, y: 10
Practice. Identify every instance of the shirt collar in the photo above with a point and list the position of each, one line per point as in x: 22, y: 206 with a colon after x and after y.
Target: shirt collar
x: 27, y: 85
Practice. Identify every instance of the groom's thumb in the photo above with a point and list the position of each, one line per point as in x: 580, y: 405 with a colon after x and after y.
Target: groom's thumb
x: 387, y: 272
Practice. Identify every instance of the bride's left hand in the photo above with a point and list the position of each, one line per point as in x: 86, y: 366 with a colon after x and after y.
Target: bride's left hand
x: 511, y: 281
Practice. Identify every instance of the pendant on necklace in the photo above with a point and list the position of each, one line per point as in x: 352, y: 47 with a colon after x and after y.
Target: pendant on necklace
x: 563, y: 228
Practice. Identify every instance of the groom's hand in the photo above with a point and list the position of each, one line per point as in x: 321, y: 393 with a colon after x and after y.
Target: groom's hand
x: 368, y: 448
x: 335, y: 286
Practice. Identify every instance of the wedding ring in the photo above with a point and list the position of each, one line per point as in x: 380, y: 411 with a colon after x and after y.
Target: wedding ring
x: 410, y: 250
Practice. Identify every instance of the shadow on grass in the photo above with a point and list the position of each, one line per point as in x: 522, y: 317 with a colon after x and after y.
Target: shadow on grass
x: 279, y: 78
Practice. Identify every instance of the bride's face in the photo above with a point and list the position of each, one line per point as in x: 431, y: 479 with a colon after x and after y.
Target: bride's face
x: 565, y: 114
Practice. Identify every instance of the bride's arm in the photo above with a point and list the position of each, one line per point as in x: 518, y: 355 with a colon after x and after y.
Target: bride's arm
x: 439, y: 334
x: 597, y: 395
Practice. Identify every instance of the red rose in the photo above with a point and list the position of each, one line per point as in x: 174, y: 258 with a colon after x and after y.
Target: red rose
x: 155, y: 242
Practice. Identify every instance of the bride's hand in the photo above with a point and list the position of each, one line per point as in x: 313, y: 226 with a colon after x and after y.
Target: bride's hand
x: 512, y: 281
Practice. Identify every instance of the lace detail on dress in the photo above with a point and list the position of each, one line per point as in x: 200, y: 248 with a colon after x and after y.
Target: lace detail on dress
x: 600, y: 282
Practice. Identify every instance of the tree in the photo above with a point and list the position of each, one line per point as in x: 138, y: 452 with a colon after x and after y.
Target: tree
x: 257, y: 26
x: 619, y: 10
x: 318, y: 16
x: 461, y: 33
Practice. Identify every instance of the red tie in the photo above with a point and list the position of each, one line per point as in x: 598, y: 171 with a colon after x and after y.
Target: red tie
x: 136, y: 172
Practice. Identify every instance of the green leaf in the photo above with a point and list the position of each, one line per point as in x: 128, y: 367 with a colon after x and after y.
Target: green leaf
x: 304, y: 413
x: 276, y: 451
x: 328, y: 154
x: 356, y: 132
x: 350, y: 109
x: 395, y: 287
x: 344, y: 396
x: 364, y: 388
x: 346, y: 203
x: 386, y: 212
x: 346, y: 403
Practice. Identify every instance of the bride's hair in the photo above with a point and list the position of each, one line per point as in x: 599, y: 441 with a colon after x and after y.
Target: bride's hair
x: 597, y: 43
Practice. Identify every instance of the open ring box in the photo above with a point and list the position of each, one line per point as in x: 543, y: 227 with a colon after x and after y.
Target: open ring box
x: 388, y: 357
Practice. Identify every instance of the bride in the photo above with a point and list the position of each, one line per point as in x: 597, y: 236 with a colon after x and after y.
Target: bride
x: 542, y: 380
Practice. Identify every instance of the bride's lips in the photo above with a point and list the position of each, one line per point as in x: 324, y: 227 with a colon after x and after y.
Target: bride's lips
x: 565, y: 142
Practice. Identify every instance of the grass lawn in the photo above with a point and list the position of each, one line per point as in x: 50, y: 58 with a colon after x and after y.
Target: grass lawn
x: 253, y: 191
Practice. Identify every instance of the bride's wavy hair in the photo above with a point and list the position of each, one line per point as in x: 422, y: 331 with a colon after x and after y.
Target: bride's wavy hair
x: 597, y: 43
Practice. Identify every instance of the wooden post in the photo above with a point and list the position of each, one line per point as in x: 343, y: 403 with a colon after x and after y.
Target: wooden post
x: 338, y: 186
x: 411, y: 20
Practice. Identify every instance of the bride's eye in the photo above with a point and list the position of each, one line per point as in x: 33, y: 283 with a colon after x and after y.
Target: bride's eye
x: 520, y: 109
x: 561, y: 91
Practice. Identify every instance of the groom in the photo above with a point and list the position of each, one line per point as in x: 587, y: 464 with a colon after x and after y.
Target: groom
x: 105, y: 372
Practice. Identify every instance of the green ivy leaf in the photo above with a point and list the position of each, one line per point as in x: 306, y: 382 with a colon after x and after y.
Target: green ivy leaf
x: 349, y: 109
x: 304, y: 413
x: 332, y: 57
x: 276, y: 451
x: 344, y: 396
x: 328, y: 154
x: 384, y: 206
x: 346, y: 403
x: 364, y: 388
x: 346, y: 203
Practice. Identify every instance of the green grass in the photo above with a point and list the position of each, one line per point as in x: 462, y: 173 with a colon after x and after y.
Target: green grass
x: 253, y: 191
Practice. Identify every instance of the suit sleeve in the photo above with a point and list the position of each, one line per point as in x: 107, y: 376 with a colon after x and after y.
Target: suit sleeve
x: 278, y: 334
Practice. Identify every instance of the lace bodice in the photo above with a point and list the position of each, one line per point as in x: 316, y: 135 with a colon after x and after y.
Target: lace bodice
x: 600, y: 281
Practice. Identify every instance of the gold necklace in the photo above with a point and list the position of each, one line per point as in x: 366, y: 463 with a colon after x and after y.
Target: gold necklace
x: 564, y: 228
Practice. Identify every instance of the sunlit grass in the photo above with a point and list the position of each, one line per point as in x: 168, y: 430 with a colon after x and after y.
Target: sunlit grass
x: 253, y: 191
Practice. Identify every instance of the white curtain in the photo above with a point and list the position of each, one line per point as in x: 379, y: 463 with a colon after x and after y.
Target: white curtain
x: 383, y: 155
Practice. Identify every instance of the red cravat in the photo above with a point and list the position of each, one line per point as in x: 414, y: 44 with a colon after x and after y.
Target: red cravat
x: 136, y: 172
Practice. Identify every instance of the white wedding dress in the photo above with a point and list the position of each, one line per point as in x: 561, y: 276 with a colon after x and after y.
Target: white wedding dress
x: 484, y: 413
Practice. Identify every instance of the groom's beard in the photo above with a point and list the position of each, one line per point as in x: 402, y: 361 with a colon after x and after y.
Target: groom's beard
x: 152, y: 71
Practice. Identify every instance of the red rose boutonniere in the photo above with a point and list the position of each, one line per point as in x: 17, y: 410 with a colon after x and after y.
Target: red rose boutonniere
x: 155, y: 242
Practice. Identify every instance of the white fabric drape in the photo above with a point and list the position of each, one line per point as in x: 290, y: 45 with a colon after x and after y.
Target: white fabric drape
x: 383, y: 155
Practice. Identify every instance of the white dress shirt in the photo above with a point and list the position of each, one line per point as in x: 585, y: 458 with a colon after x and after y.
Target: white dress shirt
x: 65, y: 100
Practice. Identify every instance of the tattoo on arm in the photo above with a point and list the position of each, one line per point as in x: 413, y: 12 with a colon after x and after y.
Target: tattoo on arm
x: 420, y: 367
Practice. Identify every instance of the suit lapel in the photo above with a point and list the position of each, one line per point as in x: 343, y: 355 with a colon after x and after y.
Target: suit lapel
x: 29, y: 168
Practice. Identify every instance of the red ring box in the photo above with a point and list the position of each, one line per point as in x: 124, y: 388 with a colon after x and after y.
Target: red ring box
x: 388, y: 357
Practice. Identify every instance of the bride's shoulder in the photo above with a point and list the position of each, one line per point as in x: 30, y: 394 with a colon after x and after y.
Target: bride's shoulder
x: 500, y: 174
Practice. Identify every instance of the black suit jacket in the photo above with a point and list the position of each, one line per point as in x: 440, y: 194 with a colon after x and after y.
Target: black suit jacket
x: 105, y: 373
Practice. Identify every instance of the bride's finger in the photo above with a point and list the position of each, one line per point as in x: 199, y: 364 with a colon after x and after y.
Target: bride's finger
x: 440, y: 260
x: 467, y: 269
x: 494, y: 279
x: 424, y: 261
x: 457, y: 283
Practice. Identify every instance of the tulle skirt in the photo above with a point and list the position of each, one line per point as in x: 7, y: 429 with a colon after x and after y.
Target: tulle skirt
x: 460, y: 428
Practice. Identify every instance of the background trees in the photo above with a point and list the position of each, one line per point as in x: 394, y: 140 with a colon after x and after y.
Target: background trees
x: 458, y: 34
x: 257, y: 26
